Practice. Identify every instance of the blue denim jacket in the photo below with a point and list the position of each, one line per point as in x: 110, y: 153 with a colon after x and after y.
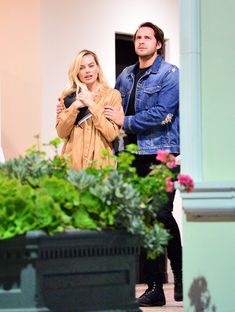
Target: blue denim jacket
x: 156, y: 119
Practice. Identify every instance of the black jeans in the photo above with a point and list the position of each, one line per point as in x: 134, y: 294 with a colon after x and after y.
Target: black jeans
x: 153, y: 270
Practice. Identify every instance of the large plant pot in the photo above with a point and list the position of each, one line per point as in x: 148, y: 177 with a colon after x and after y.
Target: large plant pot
x: 68, y: 272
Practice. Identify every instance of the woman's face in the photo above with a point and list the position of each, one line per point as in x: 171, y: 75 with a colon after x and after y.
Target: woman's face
x: 89, y: 70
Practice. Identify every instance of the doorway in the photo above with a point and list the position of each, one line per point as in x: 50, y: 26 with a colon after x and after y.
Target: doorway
x: 124, y: 52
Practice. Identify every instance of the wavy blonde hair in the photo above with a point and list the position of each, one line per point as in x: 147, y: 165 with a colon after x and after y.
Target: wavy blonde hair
x: 74, y: 82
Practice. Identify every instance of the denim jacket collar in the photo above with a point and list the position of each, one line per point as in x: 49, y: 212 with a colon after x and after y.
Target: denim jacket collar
x: 153, y: 69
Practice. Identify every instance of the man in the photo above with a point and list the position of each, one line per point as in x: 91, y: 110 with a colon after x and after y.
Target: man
x: 150, y: 98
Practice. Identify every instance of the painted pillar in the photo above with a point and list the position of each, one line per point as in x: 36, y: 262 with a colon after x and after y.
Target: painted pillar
x: 208, y: 148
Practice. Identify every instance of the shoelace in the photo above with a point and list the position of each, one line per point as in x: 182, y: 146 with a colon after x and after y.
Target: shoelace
x: 149, y: 290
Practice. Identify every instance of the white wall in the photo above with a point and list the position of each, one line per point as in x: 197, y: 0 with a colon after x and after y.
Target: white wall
x: 72, y: 25
x: 39, y: 40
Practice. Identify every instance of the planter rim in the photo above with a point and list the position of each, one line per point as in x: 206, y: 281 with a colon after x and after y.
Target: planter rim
x: 36, y: 235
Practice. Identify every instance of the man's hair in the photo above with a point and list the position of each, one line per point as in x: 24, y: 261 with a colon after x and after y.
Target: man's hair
x: 158, y: 34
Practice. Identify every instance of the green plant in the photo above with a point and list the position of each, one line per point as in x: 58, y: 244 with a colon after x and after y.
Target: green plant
x: 38, y: 192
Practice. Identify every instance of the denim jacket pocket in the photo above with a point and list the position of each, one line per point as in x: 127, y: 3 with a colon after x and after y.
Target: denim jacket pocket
x: 124, y: 91
x: 151, y: 95
x: 152, y: 89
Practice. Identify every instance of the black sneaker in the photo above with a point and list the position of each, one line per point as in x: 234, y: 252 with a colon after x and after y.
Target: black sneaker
x: 178, y: 291
x: 152, y: 297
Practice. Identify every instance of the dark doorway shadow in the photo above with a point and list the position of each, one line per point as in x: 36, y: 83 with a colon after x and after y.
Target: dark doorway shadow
x: 124, y: 52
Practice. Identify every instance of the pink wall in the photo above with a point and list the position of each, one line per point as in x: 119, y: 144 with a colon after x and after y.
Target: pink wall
x: 20, y: 67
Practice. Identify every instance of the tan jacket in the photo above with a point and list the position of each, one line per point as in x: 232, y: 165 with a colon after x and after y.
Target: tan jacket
x: 85, y: 143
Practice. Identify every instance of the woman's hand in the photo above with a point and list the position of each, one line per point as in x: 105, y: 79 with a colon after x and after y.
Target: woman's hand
x: 86, y: 97
x: 114, y: 114
x: 78, y: 104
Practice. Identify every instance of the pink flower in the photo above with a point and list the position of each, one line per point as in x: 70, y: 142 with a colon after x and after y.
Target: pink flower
x: 162, y: 155
x: 186, y: 181
x: 166, y: 158
x: 169, y: 185
x: 171, y: 162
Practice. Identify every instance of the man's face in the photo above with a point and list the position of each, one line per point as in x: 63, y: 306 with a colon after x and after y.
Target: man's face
x: 145, y: 42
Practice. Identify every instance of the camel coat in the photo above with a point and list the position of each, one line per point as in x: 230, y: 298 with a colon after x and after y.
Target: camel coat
x: 84, y: 143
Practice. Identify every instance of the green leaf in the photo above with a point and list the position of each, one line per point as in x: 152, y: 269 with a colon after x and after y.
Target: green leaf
x: 83, y: 220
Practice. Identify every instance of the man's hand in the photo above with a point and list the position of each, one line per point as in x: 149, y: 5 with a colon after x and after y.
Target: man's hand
x: 114, y: 114
x: 59, y: 108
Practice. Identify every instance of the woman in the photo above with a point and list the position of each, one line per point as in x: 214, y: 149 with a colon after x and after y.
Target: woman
x: 83, y: 123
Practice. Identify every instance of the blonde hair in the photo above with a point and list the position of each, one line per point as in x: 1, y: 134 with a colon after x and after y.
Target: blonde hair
x: 74, y: 82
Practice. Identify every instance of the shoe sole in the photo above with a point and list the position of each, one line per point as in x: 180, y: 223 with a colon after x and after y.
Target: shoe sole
x: 178, y: 298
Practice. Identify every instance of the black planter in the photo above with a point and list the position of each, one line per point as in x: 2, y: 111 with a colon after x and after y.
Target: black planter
x: 68, y: 272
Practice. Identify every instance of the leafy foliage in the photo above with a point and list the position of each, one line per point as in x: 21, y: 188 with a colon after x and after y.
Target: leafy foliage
x: 42, y: 193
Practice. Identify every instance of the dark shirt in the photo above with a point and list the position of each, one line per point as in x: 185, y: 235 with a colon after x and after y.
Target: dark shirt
x: 131, y: 137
